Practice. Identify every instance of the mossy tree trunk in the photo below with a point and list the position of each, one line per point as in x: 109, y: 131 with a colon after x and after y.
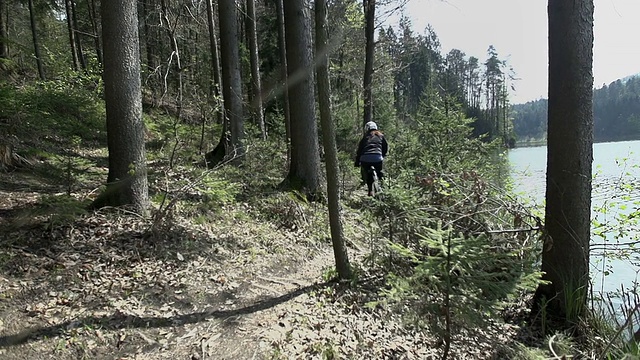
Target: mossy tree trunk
x: 329, y: 139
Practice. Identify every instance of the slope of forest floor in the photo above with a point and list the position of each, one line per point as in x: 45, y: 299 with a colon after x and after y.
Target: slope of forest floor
x: 228, y: 266
x: 112, y: 285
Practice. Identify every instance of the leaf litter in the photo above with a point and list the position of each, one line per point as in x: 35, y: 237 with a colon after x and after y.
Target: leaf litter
x: 110, y: 286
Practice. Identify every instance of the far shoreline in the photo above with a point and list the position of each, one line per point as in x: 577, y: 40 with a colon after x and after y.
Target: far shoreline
x: 537, y: 143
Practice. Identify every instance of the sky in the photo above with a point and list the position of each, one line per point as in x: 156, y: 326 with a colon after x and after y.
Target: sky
x: 518, y: 31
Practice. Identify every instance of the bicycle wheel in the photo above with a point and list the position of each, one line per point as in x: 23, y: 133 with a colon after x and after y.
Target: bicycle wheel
x: 376, y: 183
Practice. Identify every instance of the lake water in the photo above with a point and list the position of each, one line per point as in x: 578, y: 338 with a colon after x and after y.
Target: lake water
x: 616, y: 185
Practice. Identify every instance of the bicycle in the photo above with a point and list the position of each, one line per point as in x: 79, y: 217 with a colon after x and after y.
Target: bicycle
x: 375, y: 187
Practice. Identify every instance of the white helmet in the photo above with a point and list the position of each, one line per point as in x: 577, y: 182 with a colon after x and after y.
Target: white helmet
x: 370, y: 126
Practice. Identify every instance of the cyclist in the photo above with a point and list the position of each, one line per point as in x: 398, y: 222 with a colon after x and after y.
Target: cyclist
x: 371, y: 152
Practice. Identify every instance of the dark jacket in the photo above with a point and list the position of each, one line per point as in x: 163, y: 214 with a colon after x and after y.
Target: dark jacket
x: 373, y: 143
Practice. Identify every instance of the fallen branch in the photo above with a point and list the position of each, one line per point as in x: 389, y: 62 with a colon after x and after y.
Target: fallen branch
x: 511, y: 231
x: 9, y: 159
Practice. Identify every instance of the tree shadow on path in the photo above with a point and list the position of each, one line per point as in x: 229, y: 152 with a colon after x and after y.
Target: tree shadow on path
x: 119, y: 320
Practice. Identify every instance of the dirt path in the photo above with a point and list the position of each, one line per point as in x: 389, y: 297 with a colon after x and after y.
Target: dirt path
x: 84, y: 290
x: 252, y: 335
x: 106, y: 286
x: 109, y: 285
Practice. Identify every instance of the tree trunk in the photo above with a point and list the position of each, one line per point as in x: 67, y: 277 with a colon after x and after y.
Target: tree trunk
x: 80, y: 52
x: 329, y: 140
x: 4, y: 37
x: 565, y: 258
x: 174, y: 59
x: 148, y: 8
x: 216, y: 155
x: 283, y: 73
x: 256, y: 85
x: 36, y: 45
x: 91, y: 7
x: 216, y: 84
x: 173, y: 42
x: 72, y: 34
x: 370, y: 12
x: 304, y: 170
x: 127, y: 180
x: 231, y: 78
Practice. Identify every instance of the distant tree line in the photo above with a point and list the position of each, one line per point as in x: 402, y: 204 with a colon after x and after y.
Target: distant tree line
x: 616, y: 110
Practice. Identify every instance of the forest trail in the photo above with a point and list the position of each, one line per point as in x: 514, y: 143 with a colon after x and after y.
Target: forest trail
x: 85, y: 289
x: 269, y: 299
x: 110, y: 285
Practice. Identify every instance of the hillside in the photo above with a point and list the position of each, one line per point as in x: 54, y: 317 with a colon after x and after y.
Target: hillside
x: 616, y: 110
x: 231, y: 266
x: 180, y: 180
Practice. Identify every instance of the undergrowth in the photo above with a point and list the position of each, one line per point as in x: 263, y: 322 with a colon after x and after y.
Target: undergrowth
x: 49, y: 115
x: 455, y: 251
x: 450, y: 261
